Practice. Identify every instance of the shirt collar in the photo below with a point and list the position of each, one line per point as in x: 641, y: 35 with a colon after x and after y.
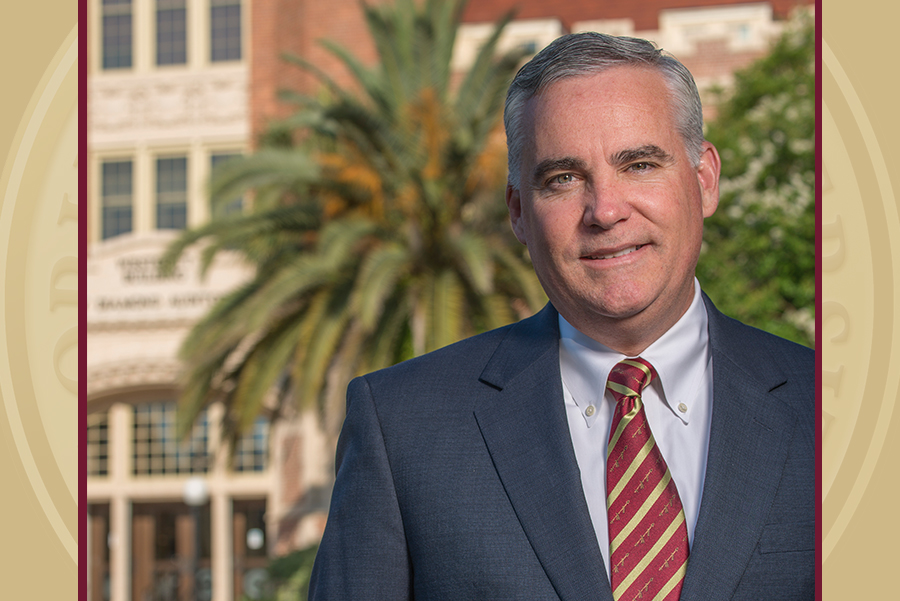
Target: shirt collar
x: 680, y: 357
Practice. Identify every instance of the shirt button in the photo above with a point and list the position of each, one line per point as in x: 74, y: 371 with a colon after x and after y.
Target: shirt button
x: 589, y: 411
x: 682, y: 407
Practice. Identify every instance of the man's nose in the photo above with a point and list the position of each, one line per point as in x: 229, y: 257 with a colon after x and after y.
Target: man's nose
x: 605, y: 204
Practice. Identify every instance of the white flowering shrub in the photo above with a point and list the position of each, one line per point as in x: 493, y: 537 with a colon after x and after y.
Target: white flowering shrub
x: 758, y: 257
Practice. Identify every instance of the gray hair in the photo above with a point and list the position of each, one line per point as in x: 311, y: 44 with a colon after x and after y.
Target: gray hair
x: 588, y: 53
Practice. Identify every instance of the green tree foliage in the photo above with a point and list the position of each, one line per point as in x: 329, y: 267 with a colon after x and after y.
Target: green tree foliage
x: 758, y: 258
x: 289, y: 575
x: 378, y: 229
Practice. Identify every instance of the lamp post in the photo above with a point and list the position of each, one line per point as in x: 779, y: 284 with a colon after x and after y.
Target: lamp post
x: 196, y: 494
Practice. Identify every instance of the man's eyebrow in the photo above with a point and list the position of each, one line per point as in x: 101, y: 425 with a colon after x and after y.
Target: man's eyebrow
x: 641, y: 153
x: 561, y: 164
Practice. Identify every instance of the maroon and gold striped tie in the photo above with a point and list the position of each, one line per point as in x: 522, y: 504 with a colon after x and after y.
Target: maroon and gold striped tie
x: 648, y: 546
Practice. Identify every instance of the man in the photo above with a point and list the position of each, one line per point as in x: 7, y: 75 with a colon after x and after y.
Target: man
x: 532, y: 462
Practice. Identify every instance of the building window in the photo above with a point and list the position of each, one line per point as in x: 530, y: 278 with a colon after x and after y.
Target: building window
x: 225, y: 30
x: 116, y: 34
x: 528, y: 48
x: 171, y: 32
x: 116, y: 189
x: 171, y: 193
x: 98, y: 445
x: 230, y: 207
x: 156, y: 448
x: 252, y: 451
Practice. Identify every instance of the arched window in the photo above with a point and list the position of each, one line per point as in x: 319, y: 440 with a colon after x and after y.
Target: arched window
x: 157, y: 451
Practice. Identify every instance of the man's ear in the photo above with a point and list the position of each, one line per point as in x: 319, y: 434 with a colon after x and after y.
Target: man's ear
x: 708, y: 176
x: 514, y: 204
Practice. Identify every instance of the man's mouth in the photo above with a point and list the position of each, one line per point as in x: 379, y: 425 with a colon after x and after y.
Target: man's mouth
x: 614, y: 255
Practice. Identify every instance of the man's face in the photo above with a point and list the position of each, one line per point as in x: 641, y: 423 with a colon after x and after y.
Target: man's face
x: 609, y: 204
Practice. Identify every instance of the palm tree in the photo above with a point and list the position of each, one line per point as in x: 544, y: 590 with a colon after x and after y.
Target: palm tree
x: 378, y: 230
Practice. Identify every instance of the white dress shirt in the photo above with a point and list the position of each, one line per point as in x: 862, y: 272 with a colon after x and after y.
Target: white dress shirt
x: 678, y: 405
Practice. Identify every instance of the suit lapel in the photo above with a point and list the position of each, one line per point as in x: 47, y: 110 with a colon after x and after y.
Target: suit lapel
x: 748, y: 446
x: 524, y: 426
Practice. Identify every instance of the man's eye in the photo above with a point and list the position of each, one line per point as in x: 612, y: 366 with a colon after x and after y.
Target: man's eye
x: 643, y: 166
x: 562, y: 179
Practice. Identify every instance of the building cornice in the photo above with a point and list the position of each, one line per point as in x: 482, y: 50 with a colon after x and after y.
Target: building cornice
x: 168, y: 107
x: 131, y: 374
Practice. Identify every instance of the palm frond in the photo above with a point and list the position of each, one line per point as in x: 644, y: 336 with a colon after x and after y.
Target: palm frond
x: 266, y: 167
x: 476, y: 261
x: 321, y: 346
x: 377, y: 279
x: 261, y: 369
x: 445, y: 309
x: 523, y: 277
x: 375, y: 226
x: 478, y: 93
x: 392, y: 335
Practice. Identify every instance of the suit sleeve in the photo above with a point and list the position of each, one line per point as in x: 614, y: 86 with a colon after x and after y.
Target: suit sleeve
x: 363, y: 553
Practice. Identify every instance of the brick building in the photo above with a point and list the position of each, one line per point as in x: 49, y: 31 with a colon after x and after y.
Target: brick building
x: 712, y: 38
x: 176, y: 86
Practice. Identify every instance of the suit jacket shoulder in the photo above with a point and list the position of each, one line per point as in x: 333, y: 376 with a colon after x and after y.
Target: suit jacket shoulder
x: 456, y: 479
x: 760, y: 356
x: 455, y: 376
x: 755, y: 534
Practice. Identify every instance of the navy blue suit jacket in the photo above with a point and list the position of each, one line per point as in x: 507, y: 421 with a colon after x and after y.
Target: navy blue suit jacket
x: 457, y: 479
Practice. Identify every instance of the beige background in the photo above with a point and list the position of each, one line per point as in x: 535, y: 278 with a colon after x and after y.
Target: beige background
x: 38, y: 360
x: 861, y: 441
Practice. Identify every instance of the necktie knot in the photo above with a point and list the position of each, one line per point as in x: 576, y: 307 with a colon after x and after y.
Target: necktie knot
x: 629, y: 378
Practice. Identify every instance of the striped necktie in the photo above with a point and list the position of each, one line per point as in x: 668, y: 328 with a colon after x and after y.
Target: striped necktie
x: 648, y: 546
